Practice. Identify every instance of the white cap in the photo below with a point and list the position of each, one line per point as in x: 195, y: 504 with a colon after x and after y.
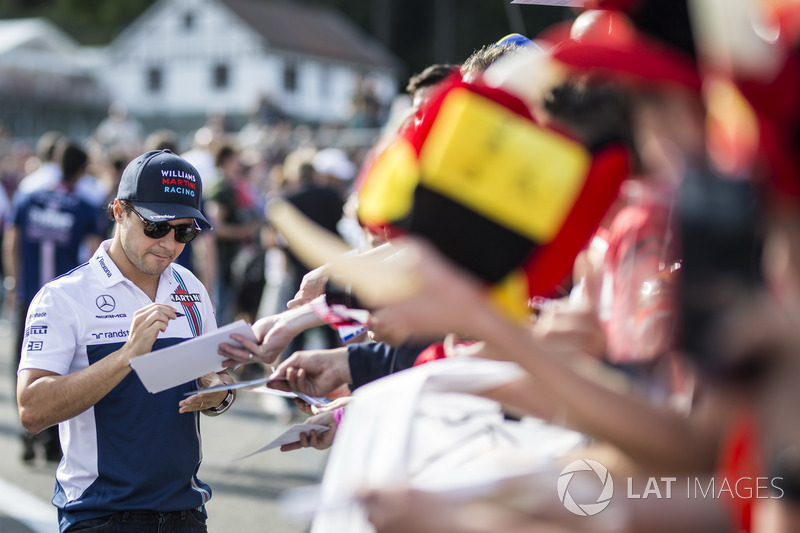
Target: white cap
x: 334, y: 162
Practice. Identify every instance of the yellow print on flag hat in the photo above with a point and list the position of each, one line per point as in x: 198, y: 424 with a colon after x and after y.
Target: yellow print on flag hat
x: 503, y: 166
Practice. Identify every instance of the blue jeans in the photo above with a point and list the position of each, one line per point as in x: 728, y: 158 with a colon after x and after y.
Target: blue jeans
x: 144, y: 522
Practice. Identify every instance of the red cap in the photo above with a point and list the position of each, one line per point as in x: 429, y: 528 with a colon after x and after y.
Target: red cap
x: 602, y: 41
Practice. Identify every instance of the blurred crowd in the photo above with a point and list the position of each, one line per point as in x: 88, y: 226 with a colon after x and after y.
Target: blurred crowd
x: 560, y: 293
x: 242, y: 170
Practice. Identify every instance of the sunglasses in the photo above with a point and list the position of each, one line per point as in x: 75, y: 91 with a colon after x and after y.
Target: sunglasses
x: 155, y: 230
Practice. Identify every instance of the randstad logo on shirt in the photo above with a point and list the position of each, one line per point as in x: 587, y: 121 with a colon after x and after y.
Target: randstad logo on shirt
x: 120, y: 334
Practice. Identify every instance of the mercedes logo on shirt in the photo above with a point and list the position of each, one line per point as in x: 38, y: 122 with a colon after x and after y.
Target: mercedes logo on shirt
x: 106, y: 303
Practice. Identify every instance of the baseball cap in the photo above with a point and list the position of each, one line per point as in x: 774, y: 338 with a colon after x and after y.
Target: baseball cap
x: 478, y: 173
x: 516, y: 39
x: 164, y: 186
x: 334, y: 162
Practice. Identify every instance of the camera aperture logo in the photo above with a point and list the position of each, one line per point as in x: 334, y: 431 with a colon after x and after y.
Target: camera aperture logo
x: 585, y: 509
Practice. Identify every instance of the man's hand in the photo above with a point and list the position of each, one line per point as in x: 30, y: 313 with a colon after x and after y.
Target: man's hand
x: 572, y: 325
x: 321, y: 441
x: 273, y: 334
x: 437, y: 296
x: 571, y: 329
x: 313, y: 285
x: 273, y: 337
x: 201, y: 402
x: 313, y: 372
x: 339, y: 398
x: 147, y: 323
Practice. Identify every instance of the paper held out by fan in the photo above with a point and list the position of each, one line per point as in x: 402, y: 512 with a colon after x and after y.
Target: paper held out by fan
x: 260, y: 385
x: 290, y: 436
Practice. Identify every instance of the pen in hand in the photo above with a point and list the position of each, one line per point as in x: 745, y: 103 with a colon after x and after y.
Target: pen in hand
x: 179, y: 314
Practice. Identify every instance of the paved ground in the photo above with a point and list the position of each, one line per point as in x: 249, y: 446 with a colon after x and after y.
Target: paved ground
x: 245, y: 493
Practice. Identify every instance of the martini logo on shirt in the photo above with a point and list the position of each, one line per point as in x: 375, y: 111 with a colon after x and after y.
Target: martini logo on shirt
x: 188, y: 300
x: 185, y: 297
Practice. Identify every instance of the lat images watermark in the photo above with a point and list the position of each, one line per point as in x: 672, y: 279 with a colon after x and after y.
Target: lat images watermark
x: 603, y: 499
x: 581, y: 499
x: 745, y: 488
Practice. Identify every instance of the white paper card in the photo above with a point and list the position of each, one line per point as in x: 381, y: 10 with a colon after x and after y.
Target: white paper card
x: 289, y: 436
x: 316, y: 401
x: 172, y: 366
x: 232, y: 386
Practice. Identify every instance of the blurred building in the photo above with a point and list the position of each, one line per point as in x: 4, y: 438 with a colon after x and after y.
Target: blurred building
x: 186, y: 59
x: 47, y: 81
